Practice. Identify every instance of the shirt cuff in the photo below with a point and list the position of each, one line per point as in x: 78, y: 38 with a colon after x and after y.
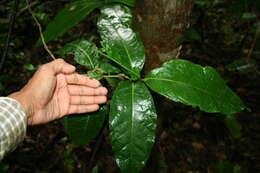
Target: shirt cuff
x: 13, y: 122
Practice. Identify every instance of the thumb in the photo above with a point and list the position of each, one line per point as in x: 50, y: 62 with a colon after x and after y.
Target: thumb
x: 60, y: 66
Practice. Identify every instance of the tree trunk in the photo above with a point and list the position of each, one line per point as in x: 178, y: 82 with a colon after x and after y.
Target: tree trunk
x: 161, y: 24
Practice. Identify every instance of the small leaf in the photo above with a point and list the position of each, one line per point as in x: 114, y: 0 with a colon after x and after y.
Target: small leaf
x: 68, y: 17
x: 85, y: 53
x: 84, y: 128
x: 233, y: 126
x: 191, y: 84
x: 127, y: 2
x: 132, y: 125
x: 120, y: 42
x: 97, y: 76
x: 29, y: 67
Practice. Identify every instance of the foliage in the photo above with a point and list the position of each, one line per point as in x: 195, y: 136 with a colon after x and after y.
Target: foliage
x: 132, y: 117
x: 72, y: 15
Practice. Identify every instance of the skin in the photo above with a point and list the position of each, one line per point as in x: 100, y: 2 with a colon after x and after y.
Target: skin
x: 56, y: 90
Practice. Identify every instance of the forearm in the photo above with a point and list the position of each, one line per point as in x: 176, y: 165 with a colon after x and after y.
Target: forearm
x: 13, y: 122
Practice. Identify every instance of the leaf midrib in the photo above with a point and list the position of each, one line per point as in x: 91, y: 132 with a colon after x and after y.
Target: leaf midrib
x: 123, y: 43
x: 85, y: 53
x: 132, y: 124
x: 185, y: 84
x: 107, y: 56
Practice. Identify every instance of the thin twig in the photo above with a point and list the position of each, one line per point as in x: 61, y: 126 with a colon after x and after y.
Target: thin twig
x: 11, y: 25
x: 27, y: 6
x: 117, y: 76
x: 40, y: 30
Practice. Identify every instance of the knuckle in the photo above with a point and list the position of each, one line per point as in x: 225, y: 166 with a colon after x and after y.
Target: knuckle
x: 59, y: 60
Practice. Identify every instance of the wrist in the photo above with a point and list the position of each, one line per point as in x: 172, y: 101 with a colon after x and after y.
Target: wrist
x: 23, y: 100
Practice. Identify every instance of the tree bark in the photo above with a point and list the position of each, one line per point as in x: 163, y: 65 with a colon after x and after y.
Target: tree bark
x: 161, y: 24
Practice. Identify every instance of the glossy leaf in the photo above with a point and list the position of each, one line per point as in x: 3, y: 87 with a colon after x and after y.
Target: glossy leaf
x: 85, y: 53
x: 127, y: 2
x: 120, y: 42
x: 191, y: 84
x: 233, y: 126
x: 84, y: 128
x: 108, y: 68
x: 132, y: 125
x: 69, y: 17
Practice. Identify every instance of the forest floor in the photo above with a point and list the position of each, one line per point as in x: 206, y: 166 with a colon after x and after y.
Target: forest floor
x: 191, y: 141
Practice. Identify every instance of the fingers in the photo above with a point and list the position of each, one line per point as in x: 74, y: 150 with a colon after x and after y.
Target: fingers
x: 60, y: 66
x: 82, y: 80
x: 77, y: 90
x: 87, y: 100
x: 77, y: 109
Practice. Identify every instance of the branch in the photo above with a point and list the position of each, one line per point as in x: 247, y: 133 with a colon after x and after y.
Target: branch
x: 40, y: 30
x: 27, y: 6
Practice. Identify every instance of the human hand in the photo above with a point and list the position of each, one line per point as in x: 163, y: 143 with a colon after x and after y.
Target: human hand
x: 55, y: 91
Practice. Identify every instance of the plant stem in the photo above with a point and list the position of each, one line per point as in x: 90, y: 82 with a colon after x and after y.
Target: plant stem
x: 117, y: 76
x: 103, y: 54
x: 40, y: 30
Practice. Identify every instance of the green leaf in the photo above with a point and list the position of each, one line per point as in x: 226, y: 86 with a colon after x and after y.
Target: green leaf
x: 120, y: 42
x: 95, y: 75
x: 127, y: 2
x: 132, y: 123
x: 233, y: 125
x: 108, y: 68
x: 191, y: 84
x: 68, y: 17
x: 85, y: 53
x: 84, y: 128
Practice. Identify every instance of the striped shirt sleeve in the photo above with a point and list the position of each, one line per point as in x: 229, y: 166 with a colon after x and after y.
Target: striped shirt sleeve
x: 13, y: 122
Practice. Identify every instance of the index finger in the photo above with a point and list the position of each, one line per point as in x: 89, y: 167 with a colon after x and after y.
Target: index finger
x: 78, y: 79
